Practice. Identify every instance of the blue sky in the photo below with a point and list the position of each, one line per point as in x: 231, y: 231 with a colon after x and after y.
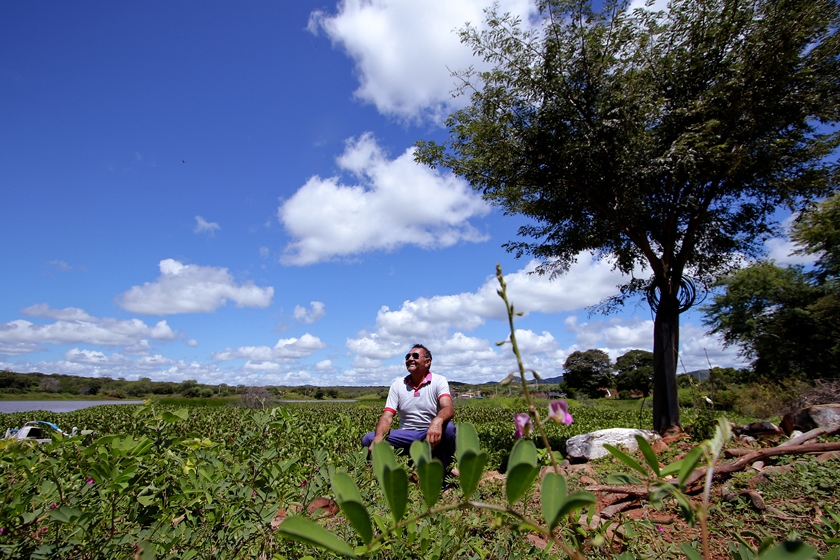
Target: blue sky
x: 226, y: 192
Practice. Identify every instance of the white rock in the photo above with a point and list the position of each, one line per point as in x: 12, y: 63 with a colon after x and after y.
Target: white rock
x: 591, y: 446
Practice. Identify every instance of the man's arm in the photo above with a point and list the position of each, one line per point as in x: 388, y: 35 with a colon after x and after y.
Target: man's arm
x: 382, y: 427
x: 435, y: 431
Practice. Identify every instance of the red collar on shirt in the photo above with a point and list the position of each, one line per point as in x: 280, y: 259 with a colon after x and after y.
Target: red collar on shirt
x: 426, y: 381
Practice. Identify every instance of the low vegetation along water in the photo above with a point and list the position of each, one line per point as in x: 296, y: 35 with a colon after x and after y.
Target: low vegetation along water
x: 214, y: 482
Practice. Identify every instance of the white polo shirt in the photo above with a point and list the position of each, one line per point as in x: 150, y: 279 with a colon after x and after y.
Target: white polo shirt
x: 418, y: 406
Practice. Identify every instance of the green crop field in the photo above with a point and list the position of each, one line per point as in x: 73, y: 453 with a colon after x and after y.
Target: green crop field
x: 209, y: 482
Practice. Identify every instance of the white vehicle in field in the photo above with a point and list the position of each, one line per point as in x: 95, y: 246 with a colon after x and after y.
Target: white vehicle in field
x: 38, y: 430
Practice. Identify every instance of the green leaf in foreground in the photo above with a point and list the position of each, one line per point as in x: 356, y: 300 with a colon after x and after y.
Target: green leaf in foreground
x: 350, y: 501
x: 383, y: 455
x: 689, y: 462
x: 690, y: 552
x: 177, y: 416
x: 395, y: 486
x: 429, y: 471
x: 466, y: 440
x: 790, y: 550
x: 66, y: 514
x: 650, y: 457
x: 430, y: 474
x: 420, y: 450
x: 576, y: 501
x: 552, y: 496
x: 522, y: 470
x: 471, y: 465
x: 309, y: 532
x: 626, y: 459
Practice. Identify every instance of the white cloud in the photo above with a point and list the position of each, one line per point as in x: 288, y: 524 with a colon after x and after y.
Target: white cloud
x: 397, y: 203
x: 107, y: 332
x: 324, y: 366
x: 203, y: 226
x: 18, y: 348
x: 63, y: 266
x: 66, y: 314
x: 530, y: 342
x: 405, y: 52
x: 309, y: 316
x: 697, y: 349
x: 621, y: 334
x: 87, y: 363
x: 587, y: 283
x: 192, y: 288
x: 373, y: 346
x: 656, y: 5
x: 285, y: 351
x: 440, y: 322
x: 86, y: 356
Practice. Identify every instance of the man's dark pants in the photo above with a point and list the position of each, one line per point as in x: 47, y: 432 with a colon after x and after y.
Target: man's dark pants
x: 402, y: 439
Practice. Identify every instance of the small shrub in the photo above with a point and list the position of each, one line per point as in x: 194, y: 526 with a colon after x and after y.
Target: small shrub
x: 257, y: 398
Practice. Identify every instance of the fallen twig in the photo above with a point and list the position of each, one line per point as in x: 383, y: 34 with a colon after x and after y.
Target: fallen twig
x: 760, y: 455
x: 807, y: 436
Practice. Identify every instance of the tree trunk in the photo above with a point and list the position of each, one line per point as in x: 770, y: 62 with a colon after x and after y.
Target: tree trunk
x: 666, y: 341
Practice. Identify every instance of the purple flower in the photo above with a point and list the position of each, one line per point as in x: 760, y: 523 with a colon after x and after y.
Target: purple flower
x: 2, y: 530
x: 52, y: 506
x: 302, y: 484
x: 523, y: 424
x: 558, y: 411
x: 90, y: 480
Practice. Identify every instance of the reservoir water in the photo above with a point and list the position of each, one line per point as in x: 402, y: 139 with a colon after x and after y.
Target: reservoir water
x: 54, y: 406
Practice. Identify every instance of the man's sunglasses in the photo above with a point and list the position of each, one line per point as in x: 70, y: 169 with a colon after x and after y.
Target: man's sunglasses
x: 415, y: 355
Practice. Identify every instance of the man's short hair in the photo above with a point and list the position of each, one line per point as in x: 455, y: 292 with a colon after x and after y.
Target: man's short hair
x: 428, y: 352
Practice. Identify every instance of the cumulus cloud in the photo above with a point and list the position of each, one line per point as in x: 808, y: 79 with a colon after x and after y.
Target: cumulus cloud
x: 190, y: 288
x: 18, y: 348
x: 405, y: 52
x: 66, y: 314
x: 203, y: 226
x: 286, y: 350
x: 91, y: 363
x: 324, y: 365
x: 397, y: 202
x: 442, y: 321
x: 309, y: 316
x: 107, y: 332
x: 82, y: 356
x: 782, y: 249
x: 588, y: 282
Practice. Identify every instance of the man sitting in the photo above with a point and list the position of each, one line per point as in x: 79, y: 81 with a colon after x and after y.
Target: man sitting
x: 424, y: 404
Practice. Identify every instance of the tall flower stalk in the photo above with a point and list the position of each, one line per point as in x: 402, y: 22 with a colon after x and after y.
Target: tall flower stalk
x: 532, y: 410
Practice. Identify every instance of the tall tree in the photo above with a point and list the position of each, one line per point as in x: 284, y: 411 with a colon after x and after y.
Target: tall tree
x: 785, y: 319
x: 817, y: 231
x: 634, y: 372
x: 589, y: 372
x: 658, y: 139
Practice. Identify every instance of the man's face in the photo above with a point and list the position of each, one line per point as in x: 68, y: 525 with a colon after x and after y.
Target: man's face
x: 419, y: 364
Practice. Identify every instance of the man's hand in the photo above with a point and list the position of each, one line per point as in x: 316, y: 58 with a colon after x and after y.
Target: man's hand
x: 382, y: 428
x: 435, y: 432
x: 376, y: 439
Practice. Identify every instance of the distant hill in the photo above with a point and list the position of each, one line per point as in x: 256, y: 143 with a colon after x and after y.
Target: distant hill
x: 698, y: 374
